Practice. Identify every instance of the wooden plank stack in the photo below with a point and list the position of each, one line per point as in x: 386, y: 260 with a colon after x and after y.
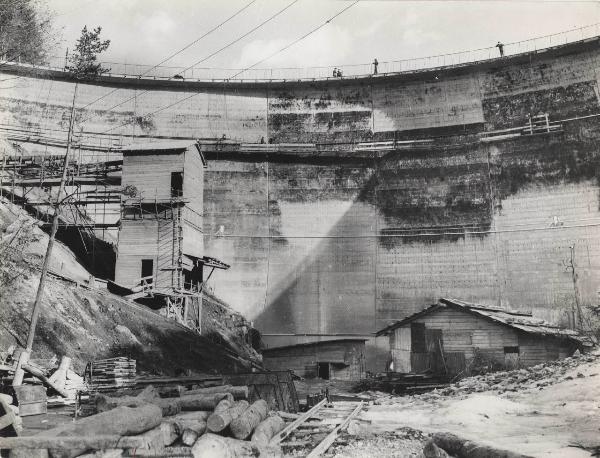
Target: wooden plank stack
x: 112, y: 373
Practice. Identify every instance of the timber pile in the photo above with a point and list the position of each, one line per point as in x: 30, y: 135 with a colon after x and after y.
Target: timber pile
x: 112, y: 373
x: 209, y: 422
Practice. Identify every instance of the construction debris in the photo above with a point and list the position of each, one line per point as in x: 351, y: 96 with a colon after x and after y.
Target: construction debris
x: 462, y: 448
x: 40, y: 375
x: 112, y: 373
x: 529, y: 378
x: 534, y: 377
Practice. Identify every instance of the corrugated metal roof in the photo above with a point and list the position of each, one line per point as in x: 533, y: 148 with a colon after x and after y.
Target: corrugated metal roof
x: 522, y: 321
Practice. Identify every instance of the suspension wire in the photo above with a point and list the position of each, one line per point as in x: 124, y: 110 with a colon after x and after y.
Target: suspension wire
x: 189, y: 45
x: 297, y: 40
x: 241, y: 37
x: 289, y: 45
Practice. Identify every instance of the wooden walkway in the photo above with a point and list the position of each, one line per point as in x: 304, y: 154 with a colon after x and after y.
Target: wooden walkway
x: 313, y: 432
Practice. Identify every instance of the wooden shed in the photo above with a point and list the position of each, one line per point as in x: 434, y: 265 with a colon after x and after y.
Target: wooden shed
x: 454, y: 337
x: 160, y: 253
x: 161, y: 217
x: 331, y: 359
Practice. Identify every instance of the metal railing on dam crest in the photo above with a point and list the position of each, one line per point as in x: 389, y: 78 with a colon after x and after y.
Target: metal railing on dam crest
x: 162, y: 72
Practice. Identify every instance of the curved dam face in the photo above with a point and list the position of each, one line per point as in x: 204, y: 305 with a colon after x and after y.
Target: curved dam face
x: 339, y: 241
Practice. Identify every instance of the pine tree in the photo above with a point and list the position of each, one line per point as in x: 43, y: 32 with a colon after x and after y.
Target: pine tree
x: 26, y: 31
x: 83, y: 62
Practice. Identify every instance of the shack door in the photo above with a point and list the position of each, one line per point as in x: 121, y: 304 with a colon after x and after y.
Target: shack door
x: 147, y: 269
x: 419, y: 358
x: 435, y: 349
x: 401, y: 346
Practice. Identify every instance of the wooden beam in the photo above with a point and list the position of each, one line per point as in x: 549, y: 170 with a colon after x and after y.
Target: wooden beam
x: 281, y: 435
x: 330, y: 439
x: 40, y: 375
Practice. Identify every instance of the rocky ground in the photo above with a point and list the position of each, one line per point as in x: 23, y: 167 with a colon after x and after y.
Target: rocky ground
x: 549, y: 410
x: 360, y: 442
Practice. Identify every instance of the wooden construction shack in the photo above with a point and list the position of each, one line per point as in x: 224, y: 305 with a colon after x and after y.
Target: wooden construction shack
x: 161, y: 246
x: 331, y: 359
x: 454, y: 337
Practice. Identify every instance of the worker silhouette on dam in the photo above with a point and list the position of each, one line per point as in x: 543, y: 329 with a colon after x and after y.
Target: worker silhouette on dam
x: 500, y: 47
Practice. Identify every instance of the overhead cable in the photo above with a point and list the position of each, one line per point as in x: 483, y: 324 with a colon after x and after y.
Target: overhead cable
x: 297, y: 40
x: 195, y: 94
x: 231, y: 43
x: 189, y: 45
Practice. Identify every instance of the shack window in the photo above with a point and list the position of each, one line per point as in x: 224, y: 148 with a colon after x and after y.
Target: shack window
x: 148, y: 269
x: 176, y: 184
x: 511, y: 350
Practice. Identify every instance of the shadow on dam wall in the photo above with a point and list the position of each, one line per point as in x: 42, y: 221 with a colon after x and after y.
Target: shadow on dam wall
x: 421, y: 226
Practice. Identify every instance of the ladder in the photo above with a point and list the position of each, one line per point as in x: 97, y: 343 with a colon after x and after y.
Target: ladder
x: 170, y: 248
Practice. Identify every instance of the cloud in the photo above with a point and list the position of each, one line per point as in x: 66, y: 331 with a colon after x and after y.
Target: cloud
x: 158, y: 26
x: 330, y: 45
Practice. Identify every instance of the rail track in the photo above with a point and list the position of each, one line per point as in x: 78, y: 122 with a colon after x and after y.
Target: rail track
x: 313, y: 432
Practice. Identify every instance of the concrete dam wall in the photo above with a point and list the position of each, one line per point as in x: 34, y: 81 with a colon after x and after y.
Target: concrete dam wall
x: 339, y: 243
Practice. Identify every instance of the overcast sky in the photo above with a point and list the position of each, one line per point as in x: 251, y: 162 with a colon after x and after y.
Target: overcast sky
x: 147, y: 31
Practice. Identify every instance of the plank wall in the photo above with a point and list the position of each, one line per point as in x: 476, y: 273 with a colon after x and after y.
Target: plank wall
x: 151, y: 173
x: 193, y: 193
x: 347, y: 359
x: 138, y: 239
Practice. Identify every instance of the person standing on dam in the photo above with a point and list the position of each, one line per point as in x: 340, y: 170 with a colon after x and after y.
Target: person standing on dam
x: 500, y: 47
x: 375, y: 64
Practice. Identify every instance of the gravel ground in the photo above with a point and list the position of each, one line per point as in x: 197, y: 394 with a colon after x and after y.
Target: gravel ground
x: 403, y: 443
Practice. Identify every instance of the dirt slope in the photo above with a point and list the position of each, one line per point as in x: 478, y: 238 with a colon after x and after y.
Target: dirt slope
x: 88, y: 324
x: 540, y: 412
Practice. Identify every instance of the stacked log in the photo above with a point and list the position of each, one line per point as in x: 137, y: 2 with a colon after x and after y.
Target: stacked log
x: 238, y: 392
x: 242, y: 426
x: 221, y: 418
x: 202, y: 401
x: 199, y: 422
x: 267, y: 429
x: 215, y: 446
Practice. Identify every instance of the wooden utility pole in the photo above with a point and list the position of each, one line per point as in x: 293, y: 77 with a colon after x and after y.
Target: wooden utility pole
x: 577, y: 313
x: 24, y: 358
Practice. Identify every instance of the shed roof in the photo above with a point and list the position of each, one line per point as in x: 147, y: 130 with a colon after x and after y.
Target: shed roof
x: 315, y: 344
x: 522, y: 321
x: 162, y: 147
